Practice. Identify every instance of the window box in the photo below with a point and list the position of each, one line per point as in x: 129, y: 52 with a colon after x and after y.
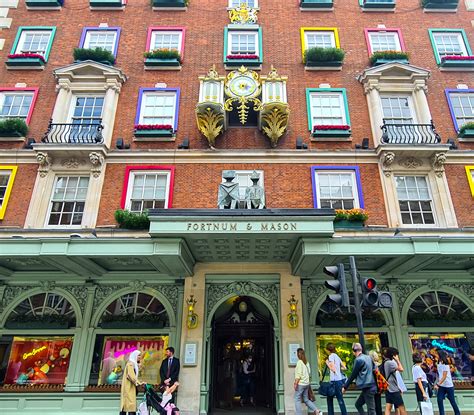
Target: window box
x: 25, y: 61
x: 377, y: 4
x: 106, y: 4
x: 323, y: 66
x: 170, y: 4
x: 463, y: 63
x: 321, y: 59
x: 388, y: 56
x: 348, y: 224
x: 153, y: 131
x: 239, y: 60
x: 331, y: 131
x: 316, y: 4
x: 162, y: 64
x: 97, y: 55
x: 44, y: 4
x: 13, y: 128
x: 439, y: 5
x: 467, y: 131
x: 381, y: 61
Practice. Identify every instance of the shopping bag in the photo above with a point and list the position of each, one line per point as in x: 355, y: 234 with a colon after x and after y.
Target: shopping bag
x: 143, y: 409
x: 400, y: 382
x: 426, y: 408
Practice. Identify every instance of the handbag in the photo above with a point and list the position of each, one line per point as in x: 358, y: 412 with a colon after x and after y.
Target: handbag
x: 426, y: 408
x: 327, y: 389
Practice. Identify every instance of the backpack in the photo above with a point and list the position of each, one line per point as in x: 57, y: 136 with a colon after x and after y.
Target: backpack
x: 382, y: 384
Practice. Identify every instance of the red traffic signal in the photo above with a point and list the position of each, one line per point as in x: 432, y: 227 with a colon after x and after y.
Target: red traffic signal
x: 369, y: 284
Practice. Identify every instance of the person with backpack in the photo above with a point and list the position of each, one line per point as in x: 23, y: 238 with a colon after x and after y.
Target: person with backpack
x: 420, y: 380
x: 335, y: 365
x: 363, y: 373
x: 380, y: 380
x: 445, y: 384
x: 393, y: 396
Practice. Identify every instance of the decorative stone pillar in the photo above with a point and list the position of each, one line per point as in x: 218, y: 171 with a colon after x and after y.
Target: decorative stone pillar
x: 421, y: 102
x: 375, y: 111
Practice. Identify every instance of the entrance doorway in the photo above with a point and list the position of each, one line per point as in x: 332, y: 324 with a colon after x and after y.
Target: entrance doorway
x: 242, y: 356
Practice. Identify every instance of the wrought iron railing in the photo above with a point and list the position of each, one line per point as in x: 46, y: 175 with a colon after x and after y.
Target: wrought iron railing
x: 410, y: 134
x: 85, y: 133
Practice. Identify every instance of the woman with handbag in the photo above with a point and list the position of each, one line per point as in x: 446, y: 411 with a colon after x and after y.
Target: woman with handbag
x: 337, y: 378
x: 421, y: 382
x: 302, y: 385
x: 445, y: 384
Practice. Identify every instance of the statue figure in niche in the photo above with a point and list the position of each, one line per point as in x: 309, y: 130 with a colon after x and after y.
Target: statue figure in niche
x: 228, y: 196
x: 255, y: 195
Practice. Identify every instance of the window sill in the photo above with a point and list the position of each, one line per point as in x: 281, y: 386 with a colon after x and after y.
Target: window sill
x: 332, y: 135
x: 154, y: 135
x: 317, y: 5
x: 441, y: 7
x: 177, y: 5
x: 254, y: 64
x: 156, y: 64
x: 25, y: 64
x: 378, y: 7
x: 12, y: 136
x: 323, y: 66
x: 43, y: 5
x: 107, y: 5
x: 454, y: 65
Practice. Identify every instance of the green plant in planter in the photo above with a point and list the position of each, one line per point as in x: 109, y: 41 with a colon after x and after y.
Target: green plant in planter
x: 131, y: 220
x: 390, y: 55
x: 52, y: 319
x: 163, y: 54
x: 97, y: 55
x: 324, y: 55
x: 465, y: 127
x: 14, y: 126
x: 451, y: 317
x: 352, y: 215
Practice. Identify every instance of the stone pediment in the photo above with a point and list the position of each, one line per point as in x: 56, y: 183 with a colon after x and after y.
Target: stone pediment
x: 394, y: 71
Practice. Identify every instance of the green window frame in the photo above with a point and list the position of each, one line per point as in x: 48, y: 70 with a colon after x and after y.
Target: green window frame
x: 244, y: 28
x: 432, y: 32
x: 22, y: 29
x: 342, y: 91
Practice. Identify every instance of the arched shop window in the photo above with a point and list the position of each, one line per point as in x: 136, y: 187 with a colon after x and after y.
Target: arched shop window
x: 38, y: 360
x: 133, y: 321
x: 337, y: 326
x: 446, y: 323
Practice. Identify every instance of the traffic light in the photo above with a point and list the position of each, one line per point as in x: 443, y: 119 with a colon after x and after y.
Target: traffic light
x: 338, y: 285
x: 371, y: 297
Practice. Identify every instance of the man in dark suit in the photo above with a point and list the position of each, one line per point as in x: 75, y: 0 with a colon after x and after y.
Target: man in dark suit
x: 169, y: 370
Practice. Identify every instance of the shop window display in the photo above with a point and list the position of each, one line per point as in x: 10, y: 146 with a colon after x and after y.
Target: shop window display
x: 38, y: 360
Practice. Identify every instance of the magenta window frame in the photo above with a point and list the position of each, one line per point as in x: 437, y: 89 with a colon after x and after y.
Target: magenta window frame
x: 152, y: 29
x: 380, y: 29
x: 101, y: 29
x: 35, y: 91
x: 129, y: 169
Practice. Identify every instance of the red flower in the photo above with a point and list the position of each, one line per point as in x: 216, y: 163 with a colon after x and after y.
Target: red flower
x: 331, y: 127
x: 26, y: 55
x: 153, y: 127
x: 457, y: 58
x: 242, y: 56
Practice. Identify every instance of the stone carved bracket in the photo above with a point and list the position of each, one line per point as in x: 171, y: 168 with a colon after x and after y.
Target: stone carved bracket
x: 387, y: 159
x: 437, y: 162
x: 98, y: 161
x: 410, y: 162
x: 314, y: 293
x: 45, y: 162
x: 217, y: 292
x: 274, y: 119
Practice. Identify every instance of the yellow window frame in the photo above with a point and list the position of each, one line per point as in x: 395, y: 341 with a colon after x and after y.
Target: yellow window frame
x: 318, y: 29
x: 8, y: 190
x: 470, y: 179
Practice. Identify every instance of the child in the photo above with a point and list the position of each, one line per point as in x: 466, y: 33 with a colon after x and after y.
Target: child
x: 166, y: 403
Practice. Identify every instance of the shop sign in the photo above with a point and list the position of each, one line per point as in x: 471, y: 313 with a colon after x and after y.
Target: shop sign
x: 241, y: 226
x: 443, y: 346
x: 33, y: 352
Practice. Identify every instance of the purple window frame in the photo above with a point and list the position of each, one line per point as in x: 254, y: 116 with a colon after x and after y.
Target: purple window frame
x: 177, y: 91
x: 101, y: 29
x: 451, y: 109
x: 355, y: 169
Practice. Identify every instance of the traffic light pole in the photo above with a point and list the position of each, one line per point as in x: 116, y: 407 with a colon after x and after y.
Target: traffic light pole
x: 358, y: 309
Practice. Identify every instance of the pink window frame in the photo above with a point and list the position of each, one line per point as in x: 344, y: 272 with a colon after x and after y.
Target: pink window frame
x: 129, y: 169
x: 166, y: 29
x: 33, y: 102
x: 380, y: 29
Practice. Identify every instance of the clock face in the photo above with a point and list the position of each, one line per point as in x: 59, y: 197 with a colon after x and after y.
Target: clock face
x: 243, y: 86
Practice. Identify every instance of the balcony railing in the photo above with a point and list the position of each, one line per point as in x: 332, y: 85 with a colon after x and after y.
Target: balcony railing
x: 85, y: 133
x: 410, y: 134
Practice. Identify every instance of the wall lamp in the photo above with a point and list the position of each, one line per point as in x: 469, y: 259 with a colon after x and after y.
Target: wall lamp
x: 292, y: 315
x: 192, y: 319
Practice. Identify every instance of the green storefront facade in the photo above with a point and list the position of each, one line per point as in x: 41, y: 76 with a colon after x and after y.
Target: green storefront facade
x: 221, y: 259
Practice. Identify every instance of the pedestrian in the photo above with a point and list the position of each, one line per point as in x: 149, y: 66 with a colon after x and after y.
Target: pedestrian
x: 363, y: 373
x: 393, y: 396
x: 420, y: 380
x: 378, y: 395
x: 167, y: 402
x: 248, y: 381
x: 336, y: 367
x: 128, y: 391
x: 302, y: 385
x: 445, y: 384
x: 169, y: 370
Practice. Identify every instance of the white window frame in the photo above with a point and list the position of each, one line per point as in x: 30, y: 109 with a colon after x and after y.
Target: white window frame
x: 236, y: 3
x: 410, y: 102
x: 396, y: 36
x: 87, y: 39
x: 4, y: 94
x: 51, y: 201
x: 242, y: 32
x: 432, y: 201
x: 131, y: 181
x: 25, y: 32
x: 330, y: 33
x: 155, y: 33
x: 461, y: 95
x: 161, y: 93
x: 460, y: 38
x: 246, y: 174
x: 342, y: 107
x: 355, y: 190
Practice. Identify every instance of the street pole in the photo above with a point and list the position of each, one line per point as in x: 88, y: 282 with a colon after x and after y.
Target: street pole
x: 357, y: 307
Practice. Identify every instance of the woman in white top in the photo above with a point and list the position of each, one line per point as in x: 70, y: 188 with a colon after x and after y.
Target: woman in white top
x: 336, y: 366
x: 419, y: 379
x: 167, y: 397
x: 445, y: 384
x: 302, y: 374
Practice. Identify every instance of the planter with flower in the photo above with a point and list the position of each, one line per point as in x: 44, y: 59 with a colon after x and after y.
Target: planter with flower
x: 162, y: 59
x: 132, y: 220
x: 457, y: 63
x: 26, y: 60
x: 330, y: 131
x: 169, y: 4
x: 154, y: 131
x: 439, y: 5
x: 44, y: 4
x: 98, y: 55
x: 237, y: 60
x: 350, y: 218
x: 14, y: 128
x: 467, y: 130
x: 388, y: 56
x: 323, y: 59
